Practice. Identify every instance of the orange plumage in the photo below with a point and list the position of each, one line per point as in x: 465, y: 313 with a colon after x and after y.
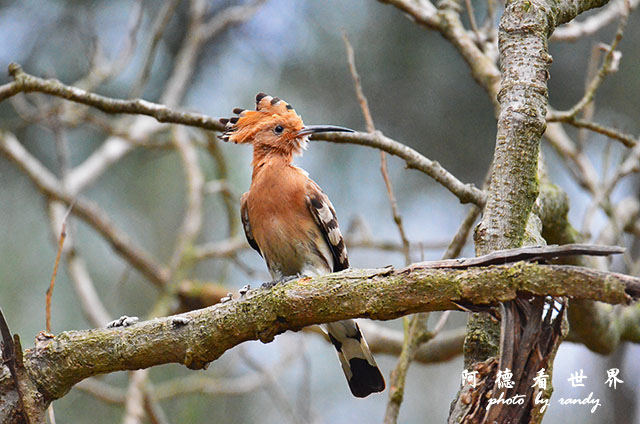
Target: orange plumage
x: 291, y: 222
x: 262, y: 127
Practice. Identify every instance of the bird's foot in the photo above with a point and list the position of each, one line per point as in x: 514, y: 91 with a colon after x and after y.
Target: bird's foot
x: 272, y: 283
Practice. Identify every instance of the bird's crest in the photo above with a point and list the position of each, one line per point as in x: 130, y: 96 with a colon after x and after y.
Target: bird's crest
x: 271, y: 114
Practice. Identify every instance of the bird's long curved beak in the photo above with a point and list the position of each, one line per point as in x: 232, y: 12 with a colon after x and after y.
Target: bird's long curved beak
x: 312, y: 129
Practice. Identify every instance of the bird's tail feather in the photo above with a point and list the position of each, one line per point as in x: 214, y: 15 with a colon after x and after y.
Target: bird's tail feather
x: 359, y: 367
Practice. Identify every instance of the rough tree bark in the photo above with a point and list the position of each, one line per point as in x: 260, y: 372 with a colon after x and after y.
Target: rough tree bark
x: 508, y: 220
x: 49, y: 370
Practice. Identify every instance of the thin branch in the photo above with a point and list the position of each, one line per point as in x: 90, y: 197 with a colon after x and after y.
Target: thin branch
x: 158, y: 27
x: 466, y: 193
x: 364, y: 106
x: 219, y: 249
x: 51, y: 415
x: 198, y: 33
x: 574, y: 159
x: 444, y: 347
x: 233, y: 15
x: 608, y: 65
x: 83, y: 286
x: 134, y: 405
x: 84, y: 209
x: 229, y: 198
x: 458, y: 242
x: 423, y: 12
x: 230, y: 386
x: 27, y: 83
x: 189, y: 384
x: 576, y: 30
x: 102, y: 69
x: 153, y: 409
x: 192, y: 221
x: 114, y: 148
x: 626, y: 139
x: 185, y: 61
x: 63, y: 235
x: 415, y: 329
x: 472, y: 21
x: 274, y: 389
x: 227, y: 248
x: 102, y: 391
x: 110, y: 152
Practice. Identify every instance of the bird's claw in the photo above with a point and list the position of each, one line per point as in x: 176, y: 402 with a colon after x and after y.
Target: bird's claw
x: 270, y: 284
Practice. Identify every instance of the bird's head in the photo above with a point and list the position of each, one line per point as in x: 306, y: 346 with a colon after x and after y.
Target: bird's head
x: 273, y: 127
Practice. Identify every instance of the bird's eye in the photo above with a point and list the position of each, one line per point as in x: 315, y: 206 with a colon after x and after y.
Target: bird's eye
x: 278, y: 129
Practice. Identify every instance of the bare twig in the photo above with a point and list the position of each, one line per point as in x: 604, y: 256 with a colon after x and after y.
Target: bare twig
x: 84, y: 209
x: 153, y: 409
x: 190, y: 384
x: 90, y: 302
x: 63, y: 235
x: 51, y: 415
x: 134, y: 405
x: 230, y: 16
x: 221, y: 249
x: 472, y: 21
x: 459, y: 240
x: 576, y: 30
x: 184, y: 64
x: 414, y: 330
x: 589, y: 110
x: 227, y: 248
x: 626, y: 139
x: 423, y: 12
x: 364, y: 106
x: 444, y: 347
x: 199, y: 32
x: 466, y: 193
x: 273, y: 389
x: 192, y: 221
x: 110, y: 152
x: 575, y: 160
x: 608, y: 66
x: 230, y: 199
x: 159, y: 25
x: 102, y: 69
x: 27, y: 83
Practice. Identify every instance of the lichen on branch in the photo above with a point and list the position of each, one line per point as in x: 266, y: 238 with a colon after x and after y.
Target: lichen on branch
x: 196, y: 338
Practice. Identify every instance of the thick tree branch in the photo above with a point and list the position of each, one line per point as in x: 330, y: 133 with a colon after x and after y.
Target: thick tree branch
x: 199, y: 337
x: 508, y: 220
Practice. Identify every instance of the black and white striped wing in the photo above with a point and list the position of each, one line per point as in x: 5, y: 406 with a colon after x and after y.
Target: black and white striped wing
x: 325, y: 216
x: 246, y: 225
x: 358, y: 364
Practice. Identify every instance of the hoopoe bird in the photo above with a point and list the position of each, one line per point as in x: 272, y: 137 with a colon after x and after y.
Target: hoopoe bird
x: 289, y: 220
